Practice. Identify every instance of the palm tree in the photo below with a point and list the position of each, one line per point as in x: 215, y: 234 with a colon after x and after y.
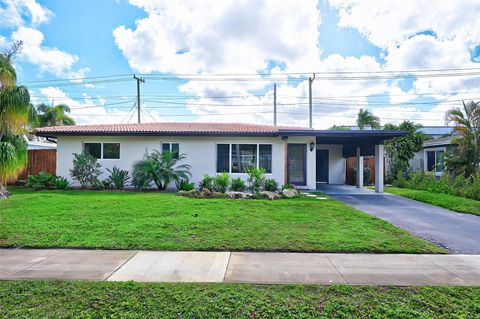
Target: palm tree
x: 160, y: 168
x: 465, y: 159
x: 366, y: 118
x: 53, y: 115
x: 14, y: 119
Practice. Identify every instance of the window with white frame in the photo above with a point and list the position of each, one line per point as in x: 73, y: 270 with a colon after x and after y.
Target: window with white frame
x: 239, y: 158
x: 102, y: 150
x: 435, y: 160
x: 171, y: 147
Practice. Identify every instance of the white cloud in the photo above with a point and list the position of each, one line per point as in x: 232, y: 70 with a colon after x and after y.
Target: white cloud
x: 16, y: 13
x: 50, y: 60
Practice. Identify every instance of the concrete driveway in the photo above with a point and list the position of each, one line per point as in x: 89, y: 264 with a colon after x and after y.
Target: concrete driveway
x: 460, y: 233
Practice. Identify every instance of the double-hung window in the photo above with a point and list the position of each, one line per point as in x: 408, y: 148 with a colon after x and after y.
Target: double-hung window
x: 239, y: 158
x: 171, y: 147
x: 102, y: 150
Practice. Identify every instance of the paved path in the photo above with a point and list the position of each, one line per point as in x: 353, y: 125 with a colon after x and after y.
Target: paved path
x: 244, y: 267
x: 460, y: 233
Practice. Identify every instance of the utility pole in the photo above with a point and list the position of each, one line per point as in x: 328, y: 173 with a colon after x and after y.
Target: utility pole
x: 310, y: 108
x: 275, y: 104
x: 138, y: 94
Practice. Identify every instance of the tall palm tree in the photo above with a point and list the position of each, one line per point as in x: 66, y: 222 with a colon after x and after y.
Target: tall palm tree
x: 366, y: 118
x: 465, y: 159
x: 53, y: 115
x: 14, y: 119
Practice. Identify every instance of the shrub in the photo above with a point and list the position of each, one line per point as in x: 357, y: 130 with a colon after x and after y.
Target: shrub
x: 118, y: 178
x: 85, y: 170
x: 220, y: 182
x: 61, y: 183
x: 99, y: 185
x: 238, y: 185
x: 206, y: 182
x: 256, y: 179
x: 271, y: 185
x: 184, y: 185
x: 159, y: 168
x: 41, y: 181
x: 287, y: 186
x: 366, y: 174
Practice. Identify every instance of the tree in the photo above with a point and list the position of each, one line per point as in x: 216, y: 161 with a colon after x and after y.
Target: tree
x: 159, y: 168
x: 401, y: 150
x: 465, y: 158
x: 366, y: 118
x: 14, y: 115
x: 53, y: 115
x: 85, y: 169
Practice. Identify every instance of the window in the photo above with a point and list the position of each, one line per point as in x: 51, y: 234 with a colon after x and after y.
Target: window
x: 171, y: 147
x: 94, y: 149
x: 435, y: 160
x: 111, y: 150
x: 102, y: 150
x: 238, y: 158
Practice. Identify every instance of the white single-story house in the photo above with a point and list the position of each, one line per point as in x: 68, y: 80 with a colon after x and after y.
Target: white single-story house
x: 300, y: 156
x: 431, y: 157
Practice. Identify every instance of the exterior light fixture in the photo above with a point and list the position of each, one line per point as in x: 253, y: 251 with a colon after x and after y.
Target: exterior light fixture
x: 312, y: 146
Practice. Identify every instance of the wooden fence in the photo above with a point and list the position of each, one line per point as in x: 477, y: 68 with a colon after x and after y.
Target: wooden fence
x: 39, y: 161
x: 368, y: 161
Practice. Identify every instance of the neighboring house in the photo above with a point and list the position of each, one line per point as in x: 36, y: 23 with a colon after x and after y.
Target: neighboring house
x: 430, y: 157
x: 41, y: 145
x: 300, y: 156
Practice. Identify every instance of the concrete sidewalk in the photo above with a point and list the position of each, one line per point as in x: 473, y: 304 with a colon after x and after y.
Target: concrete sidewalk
x: 244, y: 267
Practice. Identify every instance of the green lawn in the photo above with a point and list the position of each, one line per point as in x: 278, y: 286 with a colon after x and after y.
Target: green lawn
x: 456, y: 203
x: 166, y: 221
x: 63, y: 299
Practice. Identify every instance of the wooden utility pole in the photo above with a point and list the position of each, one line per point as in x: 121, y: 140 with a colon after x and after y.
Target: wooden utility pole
x: 275, y: 104
x: 310, y: 108
x: 138, y: 94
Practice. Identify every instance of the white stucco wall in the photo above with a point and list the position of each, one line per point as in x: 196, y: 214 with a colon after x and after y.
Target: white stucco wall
x: 200, y: 153
x: 336, y: 163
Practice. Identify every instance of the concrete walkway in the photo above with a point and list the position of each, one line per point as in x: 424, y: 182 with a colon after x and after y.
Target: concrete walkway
x: 243, y: 267
x: 460, y: 233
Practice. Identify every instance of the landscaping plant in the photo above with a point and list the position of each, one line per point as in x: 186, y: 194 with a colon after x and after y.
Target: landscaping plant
x: 61, y: 183
x: 256, y: 179
x: 271, y: 185
x: 85, y: 169
x: 40, y: 181
x: 184, y: 185
x: 159, y: 168
x: 118, y: 177
x: 238, y: 185
x: 221, y: 182
x: 206, y: 182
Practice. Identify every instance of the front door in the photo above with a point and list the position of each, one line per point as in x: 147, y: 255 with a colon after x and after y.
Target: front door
x: 297, y: 168
x: 322, y: 167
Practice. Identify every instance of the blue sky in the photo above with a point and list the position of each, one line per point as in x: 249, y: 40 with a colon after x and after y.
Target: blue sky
x: 84, y: 39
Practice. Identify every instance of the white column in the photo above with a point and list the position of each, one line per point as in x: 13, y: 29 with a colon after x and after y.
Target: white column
x: 359, y: 169
x: 379, y: 168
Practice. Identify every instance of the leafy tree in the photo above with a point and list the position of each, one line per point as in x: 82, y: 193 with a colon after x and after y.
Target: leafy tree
x: 159, y: 168
x: 401, y: 150
x: 366, y: 118
x: 53, y: 115
x: 14, y: 113
x: 85, y: 169
x: 465, y: 158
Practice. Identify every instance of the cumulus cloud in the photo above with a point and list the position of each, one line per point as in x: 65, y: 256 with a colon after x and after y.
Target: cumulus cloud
x: 16, y: 13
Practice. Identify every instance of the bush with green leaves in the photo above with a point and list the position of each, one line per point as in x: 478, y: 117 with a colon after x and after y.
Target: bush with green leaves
x: 41, y: 181
x: 184, y: 185
x: 256, y: 179
x: 61, y: 183
x: 85, y: 169
x: 287, y: 186
x: 238, y: 185
x: 271, y: 185
x: 160, y: 169
x: 118, y: 178
x: 206, y: 182
x: 221, y: 182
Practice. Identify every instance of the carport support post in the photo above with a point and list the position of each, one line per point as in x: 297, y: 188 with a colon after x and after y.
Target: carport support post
x: 379, y: 168
x: 359, y: 169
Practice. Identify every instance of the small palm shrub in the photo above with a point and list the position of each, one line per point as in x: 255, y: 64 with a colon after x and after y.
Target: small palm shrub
x: 206, y: 182
x: 118, y: 178
x: 184, y: 185
x: 85, y: 169
x: 221, y: 182
x: 61, y: 183
x: 41, y: 181
x: 271, y: 185
x: 160, y: 169
x: 256, y: 179
x: 287, y: 186
x: 238, y: 185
